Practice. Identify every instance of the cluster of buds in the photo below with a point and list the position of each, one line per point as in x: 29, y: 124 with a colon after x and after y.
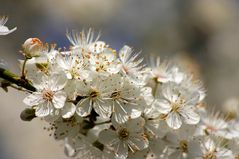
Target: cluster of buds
x: 100, y: 102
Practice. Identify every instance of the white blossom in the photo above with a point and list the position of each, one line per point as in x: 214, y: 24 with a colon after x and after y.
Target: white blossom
x: 86, y: 42
x: 73, y: 66
x: 178, y: 105
x: 4, y: 29
x: 178, y: 141
x: 213, y: 124
x: 93, y: 98
x: 125, y: 99
x: 49, y: 96
x: 128, y: 136
x: 160, y: 70
x: 131, y: 65
x: 209, y: 148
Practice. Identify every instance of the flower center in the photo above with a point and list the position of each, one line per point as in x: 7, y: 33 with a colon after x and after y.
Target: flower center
x: 175, y: 107
x: 48, y: 95
x: 115, y: 95
x: 123, y: 134
x: 94, y: 94
x: 183, y: 146
x: 74, y: 72
x: 210, y: 155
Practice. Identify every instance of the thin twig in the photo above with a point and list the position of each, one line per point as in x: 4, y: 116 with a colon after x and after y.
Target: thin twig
x: 20, y: 88
x: 12, y: 78
x: 23, y: 68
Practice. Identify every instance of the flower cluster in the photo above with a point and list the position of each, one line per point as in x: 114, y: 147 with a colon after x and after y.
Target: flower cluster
x: 100, y: 102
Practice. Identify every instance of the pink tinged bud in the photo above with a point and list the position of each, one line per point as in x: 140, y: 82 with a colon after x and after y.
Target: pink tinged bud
x: 32, y: 47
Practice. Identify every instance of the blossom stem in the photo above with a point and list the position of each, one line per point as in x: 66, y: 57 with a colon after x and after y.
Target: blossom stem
x: 11, y: 77
x: 155, y: 89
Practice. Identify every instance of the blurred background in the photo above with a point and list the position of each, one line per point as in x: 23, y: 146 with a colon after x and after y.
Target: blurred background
x: 203, y: 34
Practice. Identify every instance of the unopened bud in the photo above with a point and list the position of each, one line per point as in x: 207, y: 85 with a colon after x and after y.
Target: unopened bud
x: 28, y: 114
x: 32, y: 47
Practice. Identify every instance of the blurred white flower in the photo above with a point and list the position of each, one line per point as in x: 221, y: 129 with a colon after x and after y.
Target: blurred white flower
x: 3, y: 29
x: 131, y: 65
x: 178, y: 105
x: 160, y: 70
x: 154, y: 124
x: 209, y: 148
x: 157, y: 149
x: 126, y: 137
x: 79, y: 147
x: 212, y: 124
x: 178, y: 141
x: 86, y: 42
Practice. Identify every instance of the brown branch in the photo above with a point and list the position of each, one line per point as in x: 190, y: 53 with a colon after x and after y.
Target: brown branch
x: 11, y: 77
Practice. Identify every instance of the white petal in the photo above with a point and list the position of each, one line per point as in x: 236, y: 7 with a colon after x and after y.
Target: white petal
x: 173, y: 120
x: 69, y: 149
x: 138, y: 142
x: 59, y: 99
x: 108, y: 137
x: 134, y: 113
x: 146, y: 92
x: 177, y: 154
x: 114, y: 68
x: 224, y: 154
x: 167, y: 91
x: 136, y: 108
x: 189, y: 116
x: 124, y: 53
x: 104, y: 109
x: 43, y: 109
x: 162, y: 106
x: 120, y: 114
x: 121, y: 150
x: 68, y: 110
x: 68, y: 75
x: 83, y: 108
x: 209, y: 144
x: 33, y: 99
x: 135, y: 125
x: 5, y: 31
x: 57, y: 82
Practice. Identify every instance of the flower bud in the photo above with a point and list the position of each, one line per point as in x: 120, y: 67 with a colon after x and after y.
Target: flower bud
x: 28, y: 114
x: 32, y: 47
